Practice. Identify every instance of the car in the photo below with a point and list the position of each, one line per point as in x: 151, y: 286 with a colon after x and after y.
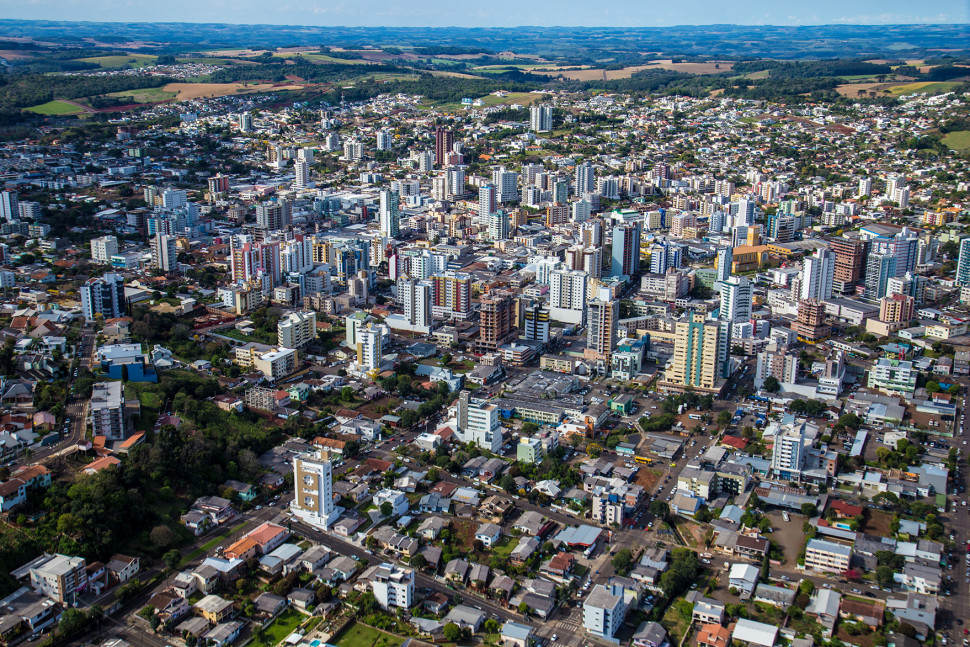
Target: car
x: 555, y: 637
x: 259, y: 507
x: 218, y: 549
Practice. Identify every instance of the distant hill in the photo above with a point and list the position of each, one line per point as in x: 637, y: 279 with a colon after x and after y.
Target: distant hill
x: 730, y: 42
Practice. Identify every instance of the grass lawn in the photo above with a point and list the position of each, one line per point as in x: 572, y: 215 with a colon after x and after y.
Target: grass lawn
x: 55, y: 108
x: 674, y: 624
x: 282, y: 627
x: 358, y: 635
x: 958, y: 140
x: 209, y: 545
x: 505, y: 547
x: 133, y: 60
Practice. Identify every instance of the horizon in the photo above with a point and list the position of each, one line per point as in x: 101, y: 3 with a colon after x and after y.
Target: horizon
x: 505, y: 14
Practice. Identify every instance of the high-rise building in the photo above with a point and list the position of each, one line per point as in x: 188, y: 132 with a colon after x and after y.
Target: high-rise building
x: 415, y: 296
x: 535, y: 322
x: 390, y: 215
x: 107, y: 411
x: 451, y: 296
x: 897, y: 308
x: 585, y: 178
x: 506, y: 185
x: 245, y: 122
x: 103, y: 248
x: 487, y: 200
x: 164, y: 253
x: 665, y: 256
x: 560, y: 192
x: 626, y: 250
x: 850, y: 262
x: 370, y: 346
x: 725, y: 258
x: 393, y: 586
x: 698, y: 354
x: 581, y: 210
x: 557, y: 214
x: 218, y: 183
x: 301, y: 174
x: 818, y: 272
x: 498, y: 225
x: 879, y: 269
x: 9, y: 206
x: 810, y: 325
x: 296, y: 329
x: 272, y: 216
x: 104, y: 296
x: 495, y: 321
x: 963, y: 263
x: 313, y: 489
x: 384, y: 140
x: 602, y: 319
x: 788, y: 455
x: 444, y: 142
x: 478, y: 424
x: 865, y: 186
x: 540, y: 117
x: 736, y: 299
x: 780, y: 363
x: 567, y: 296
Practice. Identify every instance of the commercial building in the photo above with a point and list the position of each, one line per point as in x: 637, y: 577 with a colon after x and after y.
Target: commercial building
x: 103, y: 248
x: 893, y: 376
x: 59, y: 577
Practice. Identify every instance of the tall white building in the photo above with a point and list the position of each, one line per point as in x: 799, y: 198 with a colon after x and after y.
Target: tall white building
x: 384, y: 140
x: 107, y: 411
x: 736, y: 296
x: 164, y: 253
x: 296, y: 329
x: 725, y: 258
x: 818, y: 272
x: 478, y: 423
x: 104, y: 296
x: 9, y: 206
x: 540, y: 118
x: 301, y: 174
x: 370, y: 346
x: 604, y: 611
x: 175, y: 198
x: 581, y: 210
x: 103, y: 248
x: 865, y: 186
x: 313, y: 489
x: 585, y: 181
x: 498, y: 225
x: 415, y: 298
x: 393, y: 586
x: 506, y: 184
x: 390, y: 214
x: 567, y: 296
x: 788, y: 455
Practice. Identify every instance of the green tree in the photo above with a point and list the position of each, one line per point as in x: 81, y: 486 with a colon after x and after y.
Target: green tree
x: 452, y: 632
x: 771, y: 384
x: 387, y: 509
x: 659, y: 508
x: 622, y: 561
x: 809, y: 509
x: 884, y: 575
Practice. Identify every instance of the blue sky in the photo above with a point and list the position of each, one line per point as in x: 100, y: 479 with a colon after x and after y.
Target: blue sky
x: 496, y: 13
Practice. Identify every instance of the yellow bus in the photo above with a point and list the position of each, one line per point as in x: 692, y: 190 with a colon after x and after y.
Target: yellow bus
x: 643, y: 460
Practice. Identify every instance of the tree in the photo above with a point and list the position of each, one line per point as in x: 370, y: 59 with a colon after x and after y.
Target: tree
x: 523, y: 608
x: 445, y: 359
x: 771, y: 384
x: 809, y: 509
x: 452, y: 632
x: 622, y: 561
x: 419, y: 561
x: 659, y: 509
x: 529, y: 428
x: 172, y: 558
x: 724, y: 418
x: 387, y: 509
x: 162, y: 536
x: 347, y: 393
x: 73, y: 621
x: 884, y: 575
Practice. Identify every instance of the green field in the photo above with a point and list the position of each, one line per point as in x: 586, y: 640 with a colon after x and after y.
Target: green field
x: 282, y: 627
x: 55, y: 108
x: 146, y: 95
x: 323, y: 58
x: 358, y: 635
x: 958, y: 140
x: 132, y: 60
x: 929, y: 88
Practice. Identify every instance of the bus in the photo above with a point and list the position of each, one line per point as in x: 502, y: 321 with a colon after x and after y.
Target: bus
x: 694, y: 416
x: 643, y: 460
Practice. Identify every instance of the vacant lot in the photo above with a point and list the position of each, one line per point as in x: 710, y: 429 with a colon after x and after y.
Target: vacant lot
x: 185, y: 91
x: 863, y: 89
x: 146, y: 95
x: 877, y: 523
x: 648, y: 478
x: 55, y: 108
x: 788, y: 534
x: 358, y: 635
x: 596, y: 74
x: 958, y: 140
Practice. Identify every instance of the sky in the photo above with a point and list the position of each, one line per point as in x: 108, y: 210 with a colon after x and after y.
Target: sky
x: 496, y: 13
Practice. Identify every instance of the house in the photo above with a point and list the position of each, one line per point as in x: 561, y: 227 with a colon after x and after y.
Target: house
x: 302, y: 598
x: 515, y: 634
x: 868, y: 612
x: 489, y: 534
x: 529, y: 523
x: 743, y: 577
x: 561, y: 564
x: 195, y: 626
x: 707, y: 610
x: 466, y: 616
x: 456, y: 570
x: 397, y: 499
x: 524, y: 550
x: 435, y: 603
x: 122, y: 568
x: 775, y: 595
x: 650, y: 634
x: 713, y: 635
x: 214, y: 609
x: 434, y: 503
x: 430, y: 528
x: 168, y: 606
x: 244, y: 491
x: 224, y: 633
x: 757, y: 634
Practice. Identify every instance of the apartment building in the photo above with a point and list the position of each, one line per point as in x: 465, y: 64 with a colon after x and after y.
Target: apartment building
x: 59, y: 577
x: 107, y: 408
x: 821, y: 555
x: 296, y: 329
x: 604, y: 611
x: 313, y: 489
x: 393, y: 586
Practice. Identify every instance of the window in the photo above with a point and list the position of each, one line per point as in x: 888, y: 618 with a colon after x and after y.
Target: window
x: 308, y: 479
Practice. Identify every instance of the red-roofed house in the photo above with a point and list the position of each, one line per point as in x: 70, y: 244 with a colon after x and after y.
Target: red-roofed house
x: 735, y: 442
x: 100, y: 464
x: 844, y: 510
x: 713, y: 635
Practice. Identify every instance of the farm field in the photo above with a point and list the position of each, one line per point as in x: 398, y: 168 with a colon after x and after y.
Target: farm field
x: 185, y: 91
x: 55, y: 107
x: 134, y: 60
x: 146, y: 95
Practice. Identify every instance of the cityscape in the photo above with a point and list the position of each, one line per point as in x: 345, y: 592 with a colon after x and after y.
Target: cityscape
x: 376, y: 338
